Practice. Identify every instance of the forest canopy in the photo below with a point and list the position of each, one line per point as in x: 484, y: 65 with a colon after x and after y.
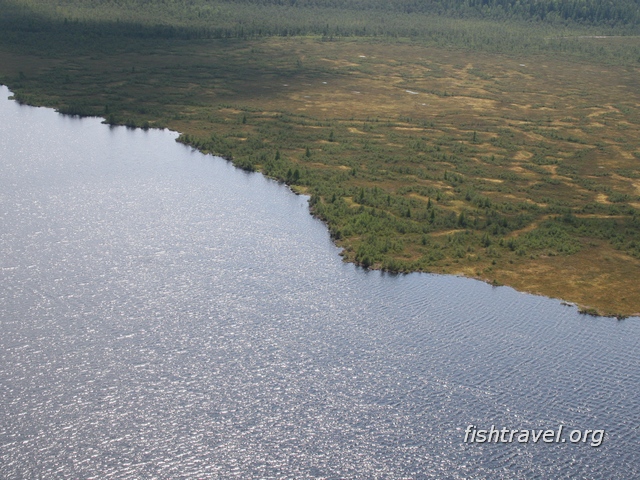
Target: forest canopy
x: 224, y: 18
x: 497, y: 26
x: 624, y: 12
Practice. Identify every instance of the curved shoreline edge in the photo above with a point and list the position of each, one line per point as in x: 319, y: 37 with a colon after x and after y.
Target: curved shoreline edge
x: 582, y: 309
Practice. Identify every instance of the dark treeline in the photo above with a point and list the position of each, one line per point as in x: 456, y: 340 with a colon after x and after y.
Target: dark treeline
x: 595, y: 12
x: 498, y: 26
x: 241, y: 18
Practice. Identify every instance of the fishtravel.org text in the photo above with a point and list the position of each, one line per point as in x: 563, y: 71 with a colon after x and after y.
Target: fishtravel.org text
x: 473, y: 434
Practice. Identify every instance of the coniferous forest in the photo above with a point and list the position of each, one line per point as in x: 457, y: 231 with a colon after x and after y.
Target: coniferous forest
x: 497, y: 139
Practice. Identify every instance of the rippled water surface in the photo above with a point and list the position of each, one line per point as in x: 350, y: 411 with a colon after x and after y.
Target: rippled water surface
x: 166, y: 315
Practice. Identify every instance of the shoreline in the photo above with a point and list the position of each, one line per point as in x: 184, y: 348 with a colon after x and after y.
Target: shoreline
x: 582, y: 309
x: 188, y: 134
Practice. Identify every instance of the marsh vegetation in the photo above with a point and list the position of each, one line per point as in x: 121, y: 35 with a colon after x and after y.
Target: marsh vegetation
x: 508, y: 152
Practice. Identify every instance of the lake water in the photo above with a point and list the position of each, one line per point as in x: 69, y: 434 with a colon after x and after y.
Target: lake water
x: 166, y: 315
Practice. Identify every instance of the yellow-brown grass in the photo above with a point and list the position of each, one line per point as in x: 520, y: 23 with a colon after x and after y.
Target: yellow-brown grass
x: 582, y: 116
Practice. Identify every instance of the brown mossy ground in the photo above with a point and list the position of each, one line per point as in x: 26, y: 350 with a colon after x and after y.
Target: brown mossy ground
x: 394, y: 131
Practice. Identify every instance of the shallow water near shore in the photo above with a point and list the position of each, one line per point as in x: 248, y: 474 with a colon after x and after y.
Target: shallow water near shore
x: 166, y: 315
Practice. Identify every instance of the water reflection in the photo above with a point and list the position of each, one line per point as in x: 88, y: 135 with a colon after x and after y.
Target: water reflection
x: 166, y: 315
